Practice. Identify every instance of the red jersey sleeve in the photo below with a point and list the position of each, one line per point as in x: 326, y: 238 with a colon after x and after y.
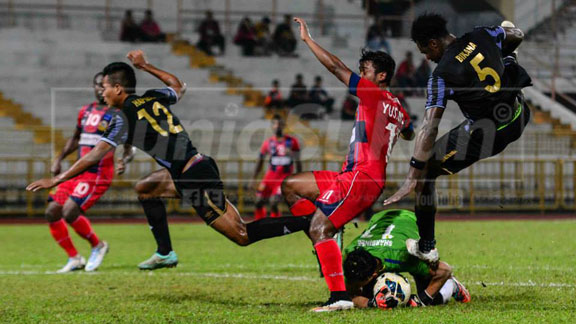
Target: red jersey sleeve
x: 368, y: 93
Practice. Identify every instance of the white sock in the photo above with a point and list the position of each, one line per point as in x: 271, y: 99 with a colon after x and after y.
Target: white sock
x: 447, y: 290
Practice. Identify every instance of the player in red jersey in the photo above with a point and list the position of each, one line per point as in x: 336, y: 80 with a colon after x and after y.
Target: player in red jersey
x: 336, y: 198
x: 69, y: 201
x: 284, y: 151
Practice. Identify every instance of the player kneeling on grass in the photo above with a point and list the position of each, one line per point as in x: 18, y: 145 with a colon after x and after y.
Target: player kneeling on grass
x: 70, y: 201
x: 382, y: 248
x: 148, y: 123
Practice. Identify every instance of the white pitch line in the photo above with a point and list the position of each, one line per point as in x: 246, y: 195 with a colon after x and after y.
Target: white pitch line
x: 529, y: 283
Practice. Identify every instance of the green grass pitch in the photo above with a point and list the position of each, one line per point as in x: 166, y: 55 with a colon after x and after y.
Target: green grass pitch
x: 516, y: 271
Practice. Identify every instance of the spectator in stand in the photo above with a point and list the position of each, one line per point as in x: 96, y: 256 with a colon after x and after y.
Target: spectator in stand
x: 422, y: 74
x: 405, y: 74
x: 246, y: 37
x: 263, y: 37
x: 274, y: 98
x: 376, y: 37
x: 349, y: 107
x: 210, y: 35
x: 284, y: 39
x: 319, y: 96
x: 150, y: 29
x: 130, y: 31
x: 298, y: 92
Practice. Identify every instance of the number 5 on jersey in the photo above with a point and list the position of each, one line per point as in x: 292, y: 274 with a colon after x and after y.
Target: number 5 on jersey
x: 142, y: 113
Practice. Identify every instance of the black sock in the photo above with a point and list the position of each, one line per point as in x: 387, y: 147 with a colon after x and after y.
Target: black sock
x: 339, y: 295
x: 438, y: 300
x: 425, y: 245
x: 158, y: 221
x: 425, y: 298
x: 426, y: 216
x: 272, y: 227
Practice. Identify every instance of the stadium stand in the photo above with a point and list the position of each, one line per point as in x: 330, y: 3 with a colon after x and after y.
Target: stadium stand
x: 222, y: 109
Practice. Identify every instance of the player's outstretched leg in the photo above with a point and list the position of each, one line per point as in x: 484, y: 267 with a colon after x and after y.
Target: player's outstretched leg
x: 73, y: 215
x: 151, y: 189
x: 59, y: 231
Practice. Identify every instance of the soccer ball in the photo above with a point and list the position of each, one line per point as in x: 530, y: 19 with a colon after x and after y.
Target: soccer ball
x: 398, y: 286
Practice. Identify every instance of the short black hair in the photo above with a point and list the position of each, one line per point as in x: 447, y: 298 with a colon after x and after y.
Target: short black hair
x: 381, y: 61
x: 359, y: 265
x: 122, y: 74
x: 99, y: 74
x: 318, y: 78
x: 428, y: 26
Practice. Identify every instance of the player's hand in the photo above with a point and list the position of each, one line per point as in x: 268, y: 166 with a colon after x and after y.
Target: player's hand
x: 120, y: 166
x: 408, y: 186
x: 41, y: 184
x: 304, y: 33
x: 137, y: 58
x: 56, y: 167
x: 383, y: 300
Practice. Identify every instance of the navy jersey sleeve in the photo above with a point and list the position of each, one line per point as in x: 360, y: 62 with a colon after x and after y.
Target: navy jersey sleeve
x: 436, y: 92
x: 167, y: 94
x: 117, y: 131
x: 353, y: 84
x: 497, y: 33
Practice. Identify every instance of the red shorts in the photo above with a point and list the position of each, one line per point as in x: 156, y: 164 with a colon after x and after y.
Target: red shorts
x: 271, y: 185
x: 344, y: 196
x: 85, y: 189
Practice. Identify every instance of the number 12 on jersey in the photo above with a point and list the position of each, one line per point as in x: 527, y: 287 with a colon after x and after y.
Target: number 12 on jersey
x: 142, y: 113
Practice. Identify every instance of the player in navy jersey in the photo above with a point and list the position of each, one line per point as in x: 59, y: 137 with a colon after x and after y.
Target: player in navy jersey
x: 480, y: 73
x: 147, y: 122
x: 71, y: 200
x: 284, y: 152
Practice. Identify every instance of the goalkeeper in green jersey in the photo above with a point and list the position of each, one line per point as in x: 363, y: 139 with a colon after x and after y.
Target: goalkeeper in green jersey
x: 382, y: 248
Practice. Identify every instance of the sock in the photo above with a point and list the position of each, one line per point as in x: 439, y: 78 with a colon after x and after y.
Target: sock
x: 272, y: 227
x: 275, y: 214
x: 82, y: 226
x: 303, y: 207
x: 447, y: 290
x: 259, y: 213
x: 331, y: 260
x: 425, y: 298
x: 158, y: 221
x: 425, y: 210
x: 59, y: 232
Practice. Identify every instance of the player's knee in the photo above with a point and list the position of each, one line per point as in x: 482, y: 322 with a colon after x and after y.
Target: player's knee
x: 288, y: 185
x: 321, y: 229
x: 52, y: 215
x: 70, y: 216
x: 444, y: 270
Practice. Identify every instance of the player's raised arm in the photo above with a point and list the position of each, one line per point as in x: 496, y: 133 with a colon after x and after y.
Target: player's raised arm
x: 425, y: 140
x: 139, y: 61
x: 88, y: 160
x: 330, y: 61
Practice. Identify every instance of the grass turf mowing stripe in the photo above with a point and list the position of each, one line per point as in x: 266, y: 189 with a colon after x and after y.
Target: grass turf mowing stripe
x: 530, y: 283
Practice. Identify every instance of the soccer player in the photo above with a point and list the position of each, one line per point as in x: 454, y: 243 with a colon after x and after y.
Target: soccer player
x: 70, y: 201
x: 336, y: 198
x: 147, y: 123
x: 284, y: 151
x: 382, y: 248
x: 479, y: 72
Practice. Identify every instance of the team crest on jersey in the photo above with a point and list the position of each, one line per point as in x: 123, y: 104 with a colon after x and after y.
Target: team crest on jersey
x: 102, y: 125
